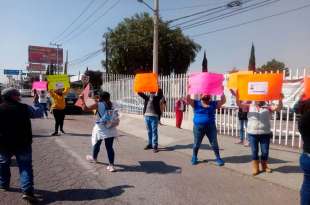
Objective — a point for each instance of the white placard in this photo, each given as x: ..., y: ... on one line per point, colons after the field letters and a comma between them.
x: 258, y: 88
x: 59, y: 85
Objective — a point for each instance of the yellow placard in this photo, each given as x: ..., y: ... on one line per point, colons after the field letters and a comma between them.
x: 58, y: 82
x: 233, y: 78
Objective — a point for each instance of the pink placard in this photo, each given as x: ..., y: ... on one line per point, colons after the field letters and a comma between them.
x: 39, y: 85
x: 206, y: 83
x: 85, y: 93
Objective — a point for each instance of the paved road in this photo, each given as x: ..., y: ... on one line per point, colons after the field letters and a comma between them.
x: 62, y: 176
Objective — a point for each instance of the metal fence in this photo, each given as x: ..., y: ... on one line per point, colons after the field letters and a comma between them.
x: 284, y: 123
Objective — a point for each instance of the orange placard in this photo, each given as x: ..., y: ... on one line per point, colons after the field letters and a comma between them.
x: 260, y: 87
x: 306, y: 88
x: 233, y: 79
x: 146, y: 82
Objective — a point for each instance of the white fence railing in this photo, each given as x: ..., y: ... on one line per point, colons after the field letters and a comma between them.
x: 284, y: 123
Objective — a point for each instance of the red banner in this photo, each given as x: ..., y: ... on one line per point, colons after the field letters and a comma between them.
x: 37, y: 54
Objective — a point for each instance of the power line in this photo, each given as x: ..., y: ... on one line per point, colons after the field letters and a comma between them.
x: 206, y: 15
x: 85, y: 56
x: 229, y: 14
x: 91, y: 24
x: 75, y: 20
x: 189, y: 7
x: 85, y: 20
x: 252, y: 21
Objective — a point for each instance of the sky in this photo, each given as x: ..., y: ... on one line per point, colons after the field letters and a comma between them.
x: 38, y: 22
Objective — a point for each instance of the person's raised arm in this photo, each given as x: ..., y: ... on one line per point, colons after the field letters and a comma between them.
x: 190, y: 101
x: 221, y: 102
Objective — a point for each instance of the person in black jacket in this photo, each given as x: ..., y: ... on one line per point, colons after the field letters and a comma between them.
x: 16, y: 139
x: 302, y: 107
x: 152, y: 112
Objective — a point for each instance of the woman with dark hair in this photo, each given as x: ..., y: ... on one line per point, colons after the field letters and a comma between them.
x: 303, y: 108
x: 104, y: 129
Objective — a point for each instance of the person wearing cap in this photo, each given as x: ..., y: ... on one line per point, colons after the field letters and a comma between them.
x: 58, y: 107
x: 16, y: 139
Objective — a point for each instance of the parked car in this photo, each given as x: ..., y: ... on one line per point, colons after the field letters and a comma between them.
x: 25, y: 92
x: 71, y: 108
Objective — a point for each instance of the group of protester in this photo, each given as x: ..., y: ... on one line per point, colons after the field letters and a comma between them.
x: 16, y: 134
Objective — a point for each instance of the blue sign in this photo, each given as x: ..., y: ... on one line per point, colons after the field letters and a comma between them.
x: 11, y: 72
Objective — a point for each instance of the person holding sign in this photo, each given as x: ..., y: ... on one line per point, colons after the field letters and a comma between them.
x: 104, y: 129
x: 259, y: 130
x: 204, y: 124
x: 58, y: 107
x: 152, y: 112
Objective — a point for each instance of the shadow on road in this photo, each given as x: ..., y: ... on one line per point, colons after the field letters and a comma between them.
x: 78, y: 195
x: 78, y: 134
x: 150, y: 167
x: 248, y: 158
x: 188, y: 146
x: 288, y: 169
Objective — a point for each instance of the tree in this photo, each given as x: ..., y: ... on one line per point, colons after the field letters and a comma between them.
x: 130, y: 47
x: 204, y: 63
x: 274, y: 66
x: 252, y: 62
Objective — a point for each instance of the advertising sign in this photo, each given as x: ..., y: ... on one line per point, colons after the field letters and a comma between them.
x: 37, y: 54
x: 39, y: 85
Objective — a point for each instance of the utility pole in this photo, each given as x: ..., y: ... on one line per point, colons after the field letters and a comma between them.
x: 57, y: 64
x: 155, y: 42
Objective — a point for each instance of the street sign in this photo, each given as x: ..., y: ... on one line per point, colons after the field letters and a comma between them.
x: 11, y: 72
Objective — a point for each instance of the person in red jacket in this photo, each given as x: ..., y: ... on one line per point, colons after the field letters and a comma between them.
x: 180, y: 107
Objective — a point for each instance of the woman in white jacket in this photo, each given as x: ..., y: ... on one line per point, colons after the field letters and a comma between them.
x: 103, y: 129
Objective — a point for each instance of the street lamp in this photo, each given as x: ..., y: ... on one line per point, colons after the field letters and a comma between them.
x: 155, y: 39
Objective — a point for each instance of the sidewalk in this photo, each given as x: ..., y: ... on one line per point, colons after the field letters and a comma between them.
x: 283, y: 161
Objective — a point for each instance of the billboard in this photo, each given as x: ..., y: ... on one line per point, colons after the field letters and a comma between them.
x: 11, y: 72
x: 36, y: 67
x: 38, y: 54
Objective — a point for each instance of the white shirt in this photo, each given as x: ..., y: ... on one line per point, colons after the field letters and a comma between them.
x: 42, y: 97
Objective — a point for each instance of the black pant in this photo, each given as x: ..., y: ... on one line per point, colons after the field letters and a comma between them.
x: 59, y: 116
x: 109, y: 147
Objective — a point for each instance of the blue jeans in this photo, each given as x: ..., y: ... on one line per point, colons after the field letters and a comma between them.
x: 109, y: 147
x: 305, y: 188
x: 152, y: 126
x: 44, y: 108
x: 199, y: 132
x: 264, y: 142
x: 24, y: 162
x: 243, y: 124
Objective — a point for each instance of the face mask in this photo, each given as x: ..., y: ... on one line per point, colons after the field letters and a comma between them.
x: 206, y: 99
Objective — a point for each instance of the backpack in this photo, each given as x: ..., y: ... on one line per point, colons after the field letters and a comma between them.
x: 110, y: 118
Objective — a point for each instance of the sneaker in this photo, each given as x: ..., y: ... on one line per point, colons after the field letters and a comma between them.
x: 148, y: 147
x: 155, y: 149
x: 111, y: 168
x: 30, y: 197
x: 194, y: 160
x: 219, y: 162
x: 62, y: 131
x: 54, y: 134
x: 91, y: 159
